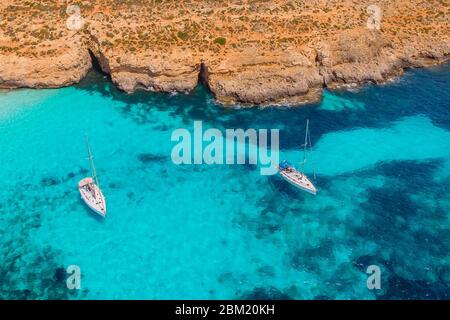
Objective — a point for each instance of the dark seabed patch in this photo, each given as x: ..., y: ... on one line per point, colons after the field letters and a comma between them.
x: 197, y: 105
x: 389, y: 213
x: 395, y: 287
x: 281, y: 242
x: 270, y: 293
x: 397, y: 214
x: 150, y: 157
x: 28, y: 270
x: 49, y: 181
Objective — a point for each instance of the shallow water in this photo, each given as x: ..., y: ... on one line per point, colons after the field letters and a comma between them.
x: 382, y: 157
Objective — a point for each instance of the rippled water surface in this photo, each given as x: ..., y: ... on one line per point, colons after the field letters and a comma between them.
x: 382, y: 158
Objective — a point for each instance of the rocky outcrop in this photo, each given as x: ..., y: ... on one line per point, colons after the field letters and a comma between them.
x: 63, y: 69
x: 296, y: 77
x: 281, y: 77
x: 130, y: 72
x: 290, y: 77
x: 355, y: 59
x: 271, y: 67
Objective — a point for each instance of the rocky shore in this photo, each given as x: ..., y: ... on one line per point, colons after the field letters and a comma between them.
x: 247, y: 52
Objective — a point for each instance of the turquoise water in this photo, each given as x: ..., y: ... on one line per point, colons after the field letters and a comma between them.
x: 382, y: 158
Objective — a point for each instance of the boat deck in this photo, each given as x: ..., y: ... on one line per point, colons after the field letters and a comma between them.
x: 92, y: 196
x: 298, y: 179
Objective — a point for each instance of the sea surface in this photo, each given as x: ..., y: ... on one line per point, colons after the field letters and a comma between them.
x: 382, y: 159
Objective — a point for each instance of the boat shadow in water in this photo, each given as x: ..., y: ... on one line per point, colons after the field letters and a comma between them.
x: 91, y: 213
x: 280, y: 186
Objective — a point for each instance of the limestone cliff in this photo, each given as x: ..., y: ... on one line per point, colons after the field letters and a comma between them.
x: 247, y: 52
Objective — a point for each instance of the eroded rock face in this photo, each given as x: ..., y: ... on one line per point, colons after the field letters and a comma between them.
x: 356, y: 58
x: 281, y: 77
x: 178, y: 71
x: 282, y: 52
x: 66, y: 68
x: 176, y: 74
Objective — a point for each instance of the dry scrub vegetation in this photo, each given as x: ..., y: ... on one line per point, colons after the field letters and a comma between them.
x: 33, y: 28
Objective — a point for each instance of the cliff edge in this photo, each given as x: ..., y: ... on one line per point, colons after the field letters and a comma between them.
x: 246, y: 51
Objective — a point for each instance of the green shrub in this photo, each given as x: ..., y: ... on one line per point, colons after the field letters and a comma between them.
x: 220, y: 40
x: 183, y: 35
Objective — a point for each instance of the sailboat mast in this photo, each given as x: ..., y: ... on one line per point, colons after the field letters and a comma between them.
x: 310, y: 152
x: 91, y: 162
x: 305, y: 145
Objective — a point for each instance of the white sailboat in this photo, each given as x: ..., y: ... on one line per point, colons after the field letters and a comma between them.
x: 295, y: 177
x: 90, y: 189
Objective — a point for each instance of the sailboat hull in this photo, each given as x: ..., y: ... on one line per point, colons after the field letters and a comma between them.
x: 293, y: 176
x: 92, y: 196
x: 298, y: 180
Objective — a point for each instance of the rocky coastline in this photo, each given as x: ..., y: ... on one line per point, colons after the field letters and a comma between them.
x: 194, y: 47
